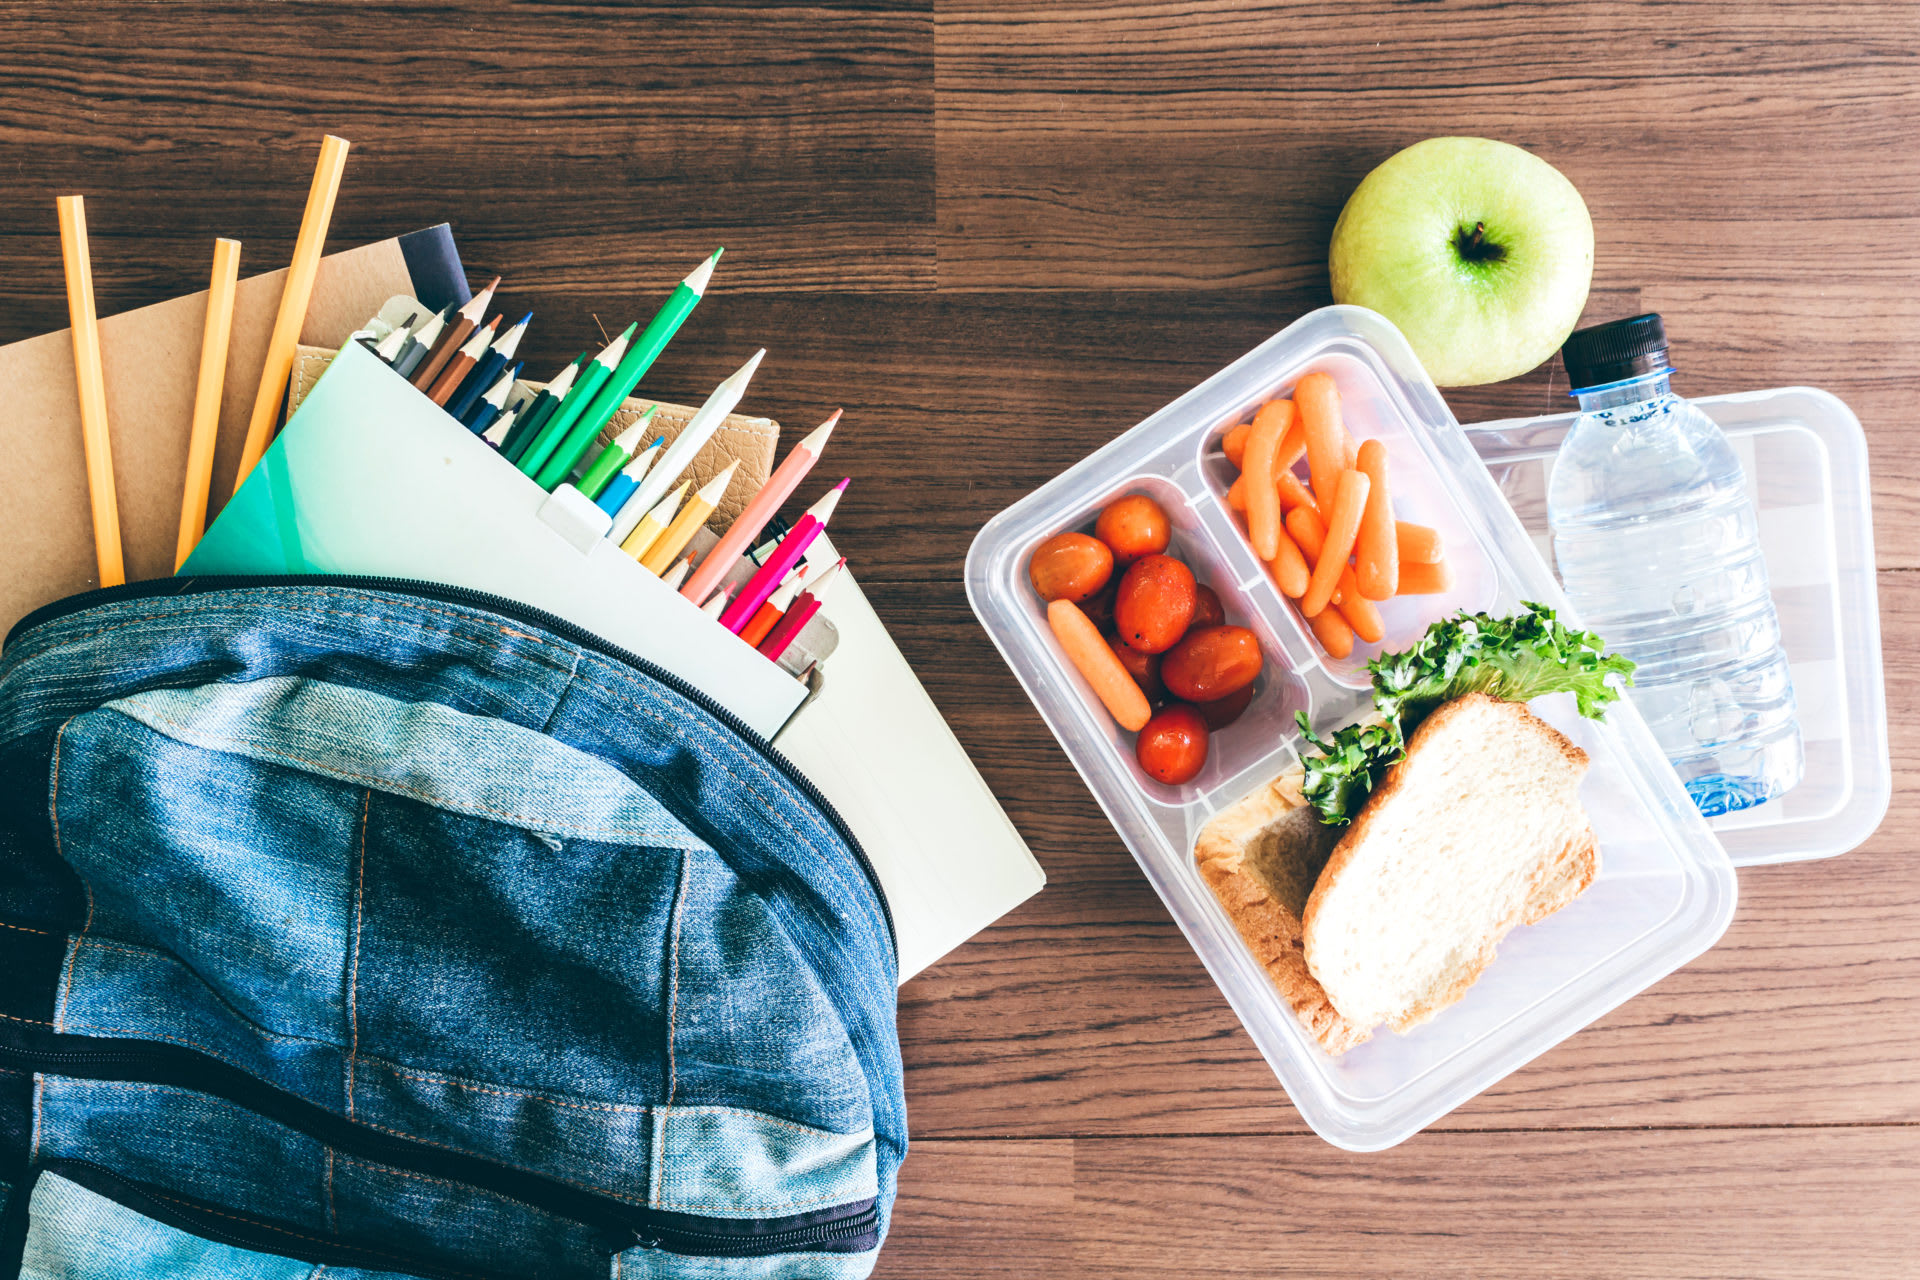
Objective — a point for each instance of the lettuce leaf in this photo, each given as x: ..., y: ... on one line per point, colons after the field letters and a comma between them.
x: 1521, y: 657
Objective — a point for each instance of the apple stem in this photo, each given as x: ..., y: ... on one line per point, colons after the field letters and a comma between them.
x: 1473, y: 246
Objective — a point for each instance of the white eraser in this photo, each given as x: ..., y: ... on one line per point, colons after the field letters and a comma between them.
x: 573, y: 515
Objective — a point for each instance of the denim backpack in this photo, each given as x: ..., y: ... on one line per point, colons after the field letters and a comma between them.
x: 363, y: 929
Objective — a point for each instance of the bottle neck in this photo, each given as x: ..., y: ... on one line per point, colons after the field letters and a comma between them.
x: 1650, y: 386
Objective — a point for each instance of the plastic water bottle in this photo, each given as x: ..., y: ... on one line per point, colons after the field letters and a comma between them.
x: 1659, y: 548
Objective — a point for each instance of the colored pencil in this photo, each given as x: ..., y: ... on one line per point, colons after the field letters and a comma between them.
x: 678, y: 574
x: 388, y: 348
x: 541, y: 409
x: 660, y: 556
x: 713, y: 607
x: 653, y: 523
x: 501, y: 425
x: 797, y: 617
x: 627, y: 483
x: 647, y: 347
x: 92, y: 386
x: 462, y: 363
x: 699, y: 429
x: 777, y: 604
x: 294, y: 296
x: 214, y: 336
x: 480, y: 380
x: 747, y: 526
x: 492, y: 404
x: 618, y: 453
x: 557, y: 434
x: 420, y: 342
x: 792, y: 547
x: 454, y: 336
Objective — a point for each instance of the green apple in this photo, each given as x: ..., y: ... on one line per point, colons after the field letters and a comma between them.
x: 1480, y: 252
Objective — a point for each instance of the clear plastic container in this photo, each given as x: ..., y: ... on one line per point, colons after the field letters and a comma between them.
x: 1805, y: 459
x: 1666, y: 889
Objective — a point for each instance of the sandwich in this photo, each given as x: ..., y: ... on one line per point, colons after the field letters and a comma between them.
x: 1375, y: 880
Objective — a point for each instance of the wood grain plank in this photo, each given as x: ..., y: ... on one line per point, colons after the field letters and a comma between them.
x: 599, y: 149
x: 1085, y: 1011
x: 983, y: 1208
x: 1146, y: 145
x: 1800, y: 1204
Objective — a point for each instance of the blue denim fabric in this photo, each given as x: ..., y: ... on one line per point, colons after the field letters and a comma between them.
x: 456, y: 880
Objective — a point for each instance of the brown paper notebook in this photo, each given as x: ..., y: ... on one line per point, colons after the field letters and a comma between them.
x: 152, y: 359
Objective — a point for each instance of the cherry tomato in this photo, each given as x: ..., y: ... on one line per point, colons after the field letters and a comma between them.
x: 1210, y: 663
x: 1143, y: 667
x: 1207, y: 609
x: 1070, y: 566
x: 1133, y: 526
x: 1222, y: 712
x: 1173, y: 745
x: 1155, y: 604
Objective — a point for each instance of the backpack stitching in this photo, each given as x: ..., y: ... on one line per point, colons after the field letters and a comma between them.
x: 353, y: 976
x: 45, y: 933
x: 646, y: 839
x: 53, y: 812
x: 673, y: 975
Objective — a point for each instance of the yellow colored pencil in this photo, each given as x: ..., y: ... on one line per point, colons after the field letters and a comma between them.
x: 660, y: 556
x: 93, y: 390
x: 293, y: 302
x: 654, y: 523
x: 206, y: 397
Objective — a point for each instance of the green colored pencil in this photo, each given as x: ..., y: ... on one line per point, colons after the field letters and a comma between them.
x: 535, y: 415
x: 616, y: 455
x: 639, y: 358
x: 591, y: 380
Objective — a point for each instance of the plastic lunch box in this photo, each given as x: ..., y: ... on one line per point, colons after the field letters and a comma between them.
x: 1666, y: 890
x: 1806, y: 463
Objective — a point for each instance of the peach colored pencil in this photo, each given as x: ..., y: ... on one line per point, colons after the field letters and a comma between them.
x: 748, y: 524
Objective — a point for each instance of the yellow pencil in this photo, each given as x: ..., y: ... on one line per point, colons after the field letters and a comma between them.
x: 93, y: 390
x: 293, y: 302
x: 661, y: 554
x: 654, y: 523
x: 206, y: 396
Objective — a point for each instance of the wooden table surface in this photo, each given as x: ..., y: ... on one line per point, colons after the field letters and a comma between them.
x: 999, y: 233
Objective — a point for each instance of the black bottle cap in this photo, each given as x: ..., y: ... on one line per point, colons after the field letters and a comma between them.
x: 1616, y: 351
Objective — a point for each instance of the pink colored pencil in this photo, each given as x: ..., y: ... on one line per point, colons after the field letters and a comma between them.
x: 765, y: 582
x: 798, y: 616
x: 748, y: 524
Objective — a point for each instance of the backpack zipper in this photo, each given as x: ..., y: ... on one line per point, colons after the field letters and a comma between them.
x: 622, y: 1221
x: 467, y: 597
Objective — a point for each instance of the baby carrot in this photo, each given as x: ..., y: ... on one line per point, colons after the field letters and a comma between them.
x: 1418, y: 579
x: 1319, y: 406
x: 1294, y: 494
x: 1095, y: 661
x: 1237, y: 493
x: 1354, y: 607
x: 1293, y: 446
x: 1343, y: 526
x: 1234, y: 443
x: 1333, y: 633
x: 1263, y: 500
x: 1377, y: 553
x: 1289, y: 568
x: 1418, y: 543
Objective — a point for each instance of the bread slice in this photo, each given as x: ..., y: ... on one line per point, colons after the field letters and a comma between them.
x: 1261, y: 858
x: 1477, y: 830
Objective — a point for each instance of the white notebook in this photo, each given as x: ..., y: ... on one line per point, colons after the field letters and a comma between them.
x: 371, y: 477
